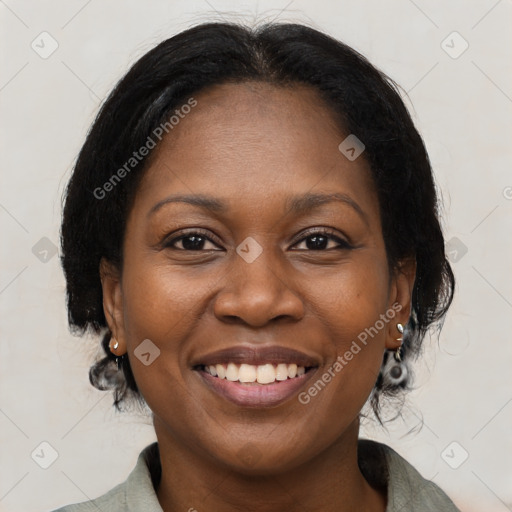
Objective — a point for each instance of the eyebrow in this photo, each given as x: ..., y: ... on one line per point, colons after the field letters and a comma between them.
x: 307, y: 202
x: 205, y: 202
x: 298, y: 205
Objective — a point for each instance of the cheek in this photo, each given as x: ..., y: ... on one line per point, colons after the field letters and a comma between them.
x: 350, y: 299
x: 160, y: 302
x: 162, y: 305
x: 354, y: 313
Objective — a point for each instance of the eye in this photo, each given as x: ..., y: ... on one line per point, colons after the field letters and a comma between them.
x: 315, y: 240
x: 191, y: 241
x: 323, y: 239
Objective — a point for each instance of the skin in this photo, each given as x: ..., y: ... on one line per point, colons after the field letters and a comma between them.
x: 252, y: 146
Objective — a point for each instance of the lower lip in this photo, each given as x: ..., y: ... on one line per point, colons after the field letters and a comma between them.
x: 254, y: 394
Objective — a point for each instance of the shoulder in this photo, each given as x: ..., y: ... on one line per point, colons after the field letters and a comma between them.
x: 136, y: 493
x: 406, y: 488
x: 112, y: 501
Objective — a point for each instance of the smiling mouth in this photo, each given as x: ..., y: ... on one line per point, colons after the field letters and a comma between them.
x: 255, y: 386
x: 258, y: 376
x: 255, y: 374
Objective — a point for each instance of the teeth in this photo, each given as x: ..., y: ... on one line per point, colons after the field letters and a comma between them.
x: 263, y: 374
x: 281, y: 372
x: 247, y: 373
x: 221, y: 371
x: 266, y: 374
x: 232, y: 372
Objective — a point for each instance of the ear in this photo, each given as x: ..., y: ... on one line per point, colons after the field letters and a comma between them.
x: 400, y: 299
x: 113, y: 302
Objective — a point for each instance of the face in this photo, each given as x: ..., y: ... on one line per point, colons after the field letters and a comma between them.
x: 275, y: 276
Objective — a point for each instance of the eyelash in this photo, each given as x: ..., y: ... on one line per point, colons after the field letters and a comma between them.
x: 329, y: 233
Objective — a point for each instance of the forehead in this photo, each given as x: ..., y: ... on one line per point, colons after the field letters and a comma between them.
x: 252, y: 113
x: 254, y: 143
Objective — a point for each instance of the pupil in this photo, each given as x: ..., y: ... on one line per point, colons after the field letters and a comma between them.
x: 196, y: 242
x: 317, y: 242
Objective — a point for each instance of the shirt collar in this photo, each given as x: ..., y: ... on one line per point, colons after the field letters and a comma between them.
x: 382, y: 467
x: 140, y: 489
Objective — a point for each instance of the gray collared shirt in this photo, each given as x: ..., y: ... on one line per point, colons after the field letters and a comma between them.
x: 407, y: 490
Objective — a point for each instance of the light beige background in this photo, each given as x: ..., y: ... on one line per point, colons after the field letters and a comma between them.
x: 462, y: 107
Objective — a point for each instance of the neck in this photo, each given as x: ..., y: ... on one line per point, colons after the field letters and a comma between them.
x: 331, y: 482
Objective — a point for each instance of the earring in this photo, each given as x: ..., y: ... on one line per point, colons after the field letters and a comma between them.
x: 398, y: 355
x: 115, y: 346
x: 395, y: 371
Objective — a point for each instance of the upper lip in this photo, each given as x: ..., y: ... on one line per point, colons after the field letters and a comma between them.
x: 243, y: 354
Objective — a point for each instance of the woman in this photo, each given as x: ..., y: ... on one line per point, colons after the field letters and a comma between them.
x: 252, y: 226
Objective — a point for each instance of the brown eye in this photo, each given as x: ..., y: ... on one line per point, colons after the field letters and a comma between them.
x: 321, y: 240
x: 191, y: 241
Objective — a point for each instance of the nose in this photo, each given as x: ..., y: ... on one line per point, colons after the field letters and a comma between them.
x: 258, y: 292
